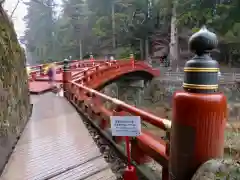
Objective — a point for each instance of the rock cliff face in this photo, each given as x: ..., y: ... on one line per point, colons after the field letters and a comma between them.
x: 14, y: 98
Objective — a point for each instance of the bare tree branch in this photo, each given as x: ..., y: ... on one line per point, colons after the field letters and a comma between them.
x: 40, y: 2
x: 44, y: 4
x: 15, y: 8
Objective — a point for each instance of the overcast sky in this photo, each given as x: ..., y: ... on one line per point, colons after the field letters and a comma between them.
x: 20, y: 12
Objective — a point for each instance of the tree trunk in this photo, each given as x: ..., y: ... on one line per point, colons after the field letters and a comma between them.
x: 146, y: 48
x: 141, y: 48
x: 173, y: 47
x: 80, y: 49
x: 113, y: 27
x: 230, y: 60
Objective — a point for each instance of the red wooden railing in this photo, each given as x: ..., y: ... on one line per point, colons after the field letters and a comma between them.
x: 90, y: 102
x: 38, y: 70
x: 196, y: 133
x: 79, y: 90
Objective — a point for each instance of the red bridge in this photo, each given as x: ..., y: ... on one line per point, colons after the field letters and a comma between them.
x: 57, y: 145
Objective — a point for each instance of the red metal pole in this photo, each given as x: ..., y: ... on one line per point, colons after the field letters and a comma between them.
x: 199, y: 113
x: 128, y: 151
x: 130, y: 172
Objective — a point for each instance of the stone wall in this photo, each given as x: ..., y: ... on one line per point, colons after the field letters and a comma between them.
x: 160, y: 92
x: 14, y: 97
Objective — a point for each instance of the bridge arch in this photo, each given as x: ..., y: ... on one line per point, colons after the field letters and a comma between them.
x: 104, y: 74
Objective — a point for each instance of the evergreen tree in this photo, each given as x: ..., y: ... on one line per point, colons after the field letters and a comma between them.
x: 39, y: 35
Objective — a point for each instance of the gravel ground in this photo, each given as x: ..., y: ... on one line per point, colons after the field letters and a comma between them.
x: 111, y: 156
x: 117, y: 165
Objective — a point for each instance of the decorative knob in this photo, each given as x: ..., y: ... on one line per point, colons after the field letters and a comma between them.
x: 65, y: 64
x: 201, y: 72
x: 203, y: 41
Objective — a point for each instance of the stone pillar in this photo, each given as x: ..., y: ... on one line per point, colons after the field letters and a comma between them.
x: 199, y: 112
x: 135, y: 89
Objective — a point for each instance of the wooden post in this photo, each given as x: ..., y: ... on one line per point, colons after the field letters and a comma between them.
x: 199, y: 112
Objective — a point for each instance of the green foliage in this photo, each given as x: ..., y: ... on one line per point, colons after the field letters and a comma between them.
x: 124, y: 53
x: 91, y: 21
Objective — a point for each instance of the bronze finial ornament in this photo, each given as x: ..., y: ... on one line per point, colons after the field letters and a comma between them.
x: 201, y: 72
x: 65, y: 64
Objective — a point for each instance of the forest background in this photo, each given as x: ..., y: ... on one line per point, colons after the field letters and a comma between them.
x: 147, y: 28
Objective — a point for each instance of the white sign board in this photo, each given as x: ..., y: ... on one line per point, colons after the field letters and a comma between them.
x: 126, y: 125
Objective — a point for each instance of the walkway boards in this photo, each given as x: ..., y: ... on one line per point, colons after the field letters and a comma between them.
x: 42, y: 85
x: 56, y: 145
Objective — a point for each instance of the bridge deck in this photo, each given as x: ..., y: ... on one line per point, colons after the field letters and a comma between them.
x: 38, y: 87
x: 56, y: 145
x: 42, y: 84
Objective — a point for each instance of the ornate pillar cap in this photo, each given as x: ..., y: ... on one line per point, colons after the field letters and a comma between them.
x: 201, y: 72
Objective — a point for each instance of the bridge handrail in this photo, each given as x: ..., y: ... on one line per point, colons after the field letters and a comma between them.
x: 71, y: 61
x: 161, y: 123
x: 107, y: 66
x: 34, y: 73
x: 152, y: 119
x: 83, y: 97
x: 188, y: 148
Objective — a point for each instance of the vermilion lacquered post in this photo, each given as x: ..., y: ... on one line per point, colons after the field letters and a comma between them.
x: 130, y: 171
x: 199, y: 112
x: 66, y: 77
x: 41, y: 69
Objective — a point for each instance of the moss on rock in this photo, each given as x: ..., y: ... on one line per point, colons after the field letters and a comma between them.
x: 14, y: 98
x: 218, y: 169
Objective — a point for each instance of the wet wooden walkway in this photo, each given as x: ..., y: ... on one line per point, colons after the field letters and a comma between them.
x: 56, y: 145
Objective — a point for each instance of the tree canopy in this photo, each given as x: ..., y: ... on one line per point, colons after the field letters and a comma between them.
x: 121, y: 27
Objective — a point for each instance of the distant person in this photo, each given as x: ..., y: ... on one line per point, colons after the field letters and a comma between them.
x: 111, y: 58
x: 106, y: 58
x: 51, y: 74
x: 45, y: 68
x: 149, y: 60
x: 28, y: 69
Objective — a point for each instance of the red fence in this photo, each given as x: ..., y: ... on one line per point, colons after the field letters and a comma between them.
x: 91, y: 103
x: 39, y: 70
x: 194, y: 137
x: 197, y: 134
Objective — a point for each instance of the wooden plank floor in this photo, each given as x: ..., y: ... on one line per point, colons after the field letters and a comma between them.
x: 37, y: 87
x: 56, y: 145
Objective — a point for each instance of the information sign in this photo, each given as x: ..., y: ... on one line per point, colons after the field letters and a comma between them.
x: 126, y: 125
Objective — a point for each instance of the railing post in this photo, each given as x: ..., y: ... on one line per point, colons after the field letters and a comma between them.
x: 66, y: 77
x: 41, y: 69
x: 199, y: 112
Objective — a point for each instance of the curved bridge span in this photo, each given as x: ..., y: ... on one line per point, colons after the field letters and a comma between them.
x: 57, y: 145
